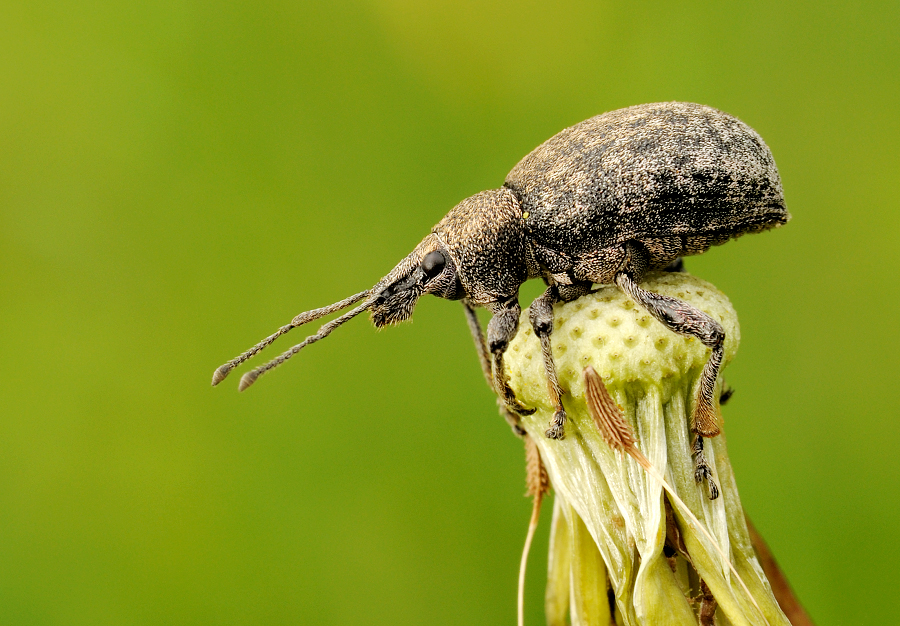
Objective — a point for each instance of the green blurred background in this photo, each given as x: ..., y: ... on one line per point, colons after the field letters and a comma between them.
x: 178, y: 179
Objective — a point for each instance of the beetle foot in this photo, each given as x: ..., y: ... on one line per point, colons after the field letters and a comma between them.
x: 557, y: 428
x: 512, y: 404
x: 508, y: 396
x: 702, y: 470
x: 518, y: 408
x: 512, y: 419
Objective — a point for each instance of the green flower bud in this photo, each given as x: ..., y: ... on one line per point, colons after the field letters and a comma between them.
x: 615, y: 534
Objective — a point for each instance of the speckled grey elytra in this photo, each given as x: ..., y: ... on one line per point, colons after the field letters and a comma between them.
x: 604, y: 201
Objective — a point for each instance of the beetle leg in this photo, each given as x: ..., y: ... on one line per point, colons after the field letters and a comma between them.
x: 684, y: 319
x: 541, y: 315
x: 485, y: 359
x: 501, y: 330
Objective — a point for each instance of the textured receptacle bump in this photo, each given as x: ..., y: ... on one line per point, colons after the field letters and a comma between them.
x: 620, y: 340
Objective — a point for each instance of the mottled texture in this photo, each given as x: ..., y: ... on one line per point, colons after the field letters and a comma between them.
x: 677, y: 177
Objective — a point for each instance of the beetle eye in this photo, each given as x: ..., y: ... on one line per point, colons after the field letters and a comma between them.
x: 433, y: 263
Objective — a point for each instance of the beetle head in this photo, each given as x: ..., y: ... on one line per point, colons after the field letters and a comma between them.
x: 475, y: 252
x: 428, y: 269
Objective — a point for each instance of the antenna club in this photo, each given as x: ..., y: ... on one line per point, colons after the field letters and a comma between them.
x: 220, y: 374
x: 248, y: 379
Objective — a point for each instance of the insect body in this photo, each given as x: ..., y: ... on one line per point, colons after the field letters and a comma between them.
x: 604, y: 201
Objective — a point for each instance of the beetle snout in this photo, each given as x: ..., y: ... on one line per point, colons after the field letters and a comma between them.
x: 395, y: 303
x: 382, y: 297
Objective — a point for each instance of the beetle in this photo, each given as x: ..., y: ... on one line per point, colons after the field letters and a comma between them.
x: 604, y: 201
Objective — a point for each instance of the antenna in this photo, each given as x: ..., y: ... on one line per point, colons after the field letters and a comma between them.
x: 250, y: 377
x: 303, y: 318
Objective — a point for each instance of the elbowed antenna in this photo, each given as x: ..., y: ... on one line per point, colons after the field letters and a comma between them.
x: 250, y: 377
x: 400, y: 271
x: 303, y: 318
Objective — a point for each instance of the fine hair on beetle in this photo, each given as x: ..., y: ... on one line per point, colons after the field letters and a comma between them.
x: 602, y: 202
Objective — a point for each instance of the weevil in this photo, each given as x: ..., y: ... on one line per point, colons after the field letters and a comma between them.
x: 604, y: 201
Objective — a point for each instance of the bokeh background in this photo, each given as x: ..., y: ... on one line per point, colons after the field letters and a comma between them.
x: 178, y: 179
